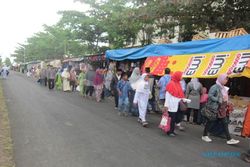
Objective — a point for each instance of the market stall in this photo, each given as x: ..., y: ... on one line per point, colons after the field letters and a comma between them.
x: 55, y: 63
x: 97, y: 60
x: 204, y: 59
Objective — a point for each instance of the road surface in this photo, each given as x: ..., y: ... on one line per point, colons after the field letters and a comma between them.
x: 57, y: 129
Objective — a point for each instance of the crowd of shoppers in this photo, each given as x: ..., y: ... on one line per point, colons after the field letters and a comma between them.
x: 141, y: 93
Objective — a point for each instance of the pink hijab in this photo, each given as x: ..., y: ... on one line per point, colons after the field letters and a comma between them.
x: 224, y: 89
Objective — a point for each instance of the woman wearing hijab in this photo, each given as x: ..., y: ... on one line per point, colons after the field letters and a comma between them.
x: 58, y: 80
x: 90, y: 76
x: 107, y: 82
x: 73, y: 79
x: 193, y: 92
x: 217, y: 103
x: 66, y: 80
x: 98, y: 84
x: 141, y: 98
x: 135, y: 76
x: 82, y: 81
x: 174, y: 94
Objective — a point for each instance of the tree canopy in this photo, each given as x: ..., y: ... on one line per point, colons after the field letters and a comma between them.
x: 111, y: 24
x: 7, y: 62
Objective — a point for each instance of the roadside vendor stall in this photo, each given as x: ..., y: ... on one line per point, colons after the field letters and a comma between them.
x: 121, y: 59
x: 97, y: 60
x: 55, y: 63
x: 204, y: 59
x: 71, y: 62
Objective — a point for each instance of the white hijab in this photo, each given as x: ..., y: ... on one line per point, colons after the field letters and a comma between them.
x: 135, y: 76
x: 142, y: 85
x: 65, y: 73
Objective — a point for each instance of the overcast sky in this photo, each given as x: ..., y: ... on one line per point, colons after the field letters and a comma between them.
x: 20, y: 19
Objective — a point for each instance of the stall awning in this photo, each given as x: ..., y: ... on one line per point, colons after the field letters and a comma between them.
x: 193, y: 47
x: 207, y: 65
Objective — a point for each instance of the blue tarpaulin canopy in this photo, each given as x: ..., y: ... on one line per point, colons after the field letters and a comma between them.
x: 192, y: 47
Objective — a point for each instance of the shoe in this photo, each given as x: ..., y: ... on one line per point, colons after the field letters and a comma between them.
x: 248, y: 152
x: 206, y: 139
x: 181, y: 128
x: 126, y: 114
x: 139, y: 120
x: 232, y: 141
x: 175, y: 133
x: 116, y: 108
x: 144, y: 124
x: 171, y: 134
x: 245, y: 157
x: 119, y: 113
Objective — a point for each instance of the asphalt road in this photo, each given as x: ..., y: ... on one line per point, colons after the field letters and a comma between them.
x: 57, y: 129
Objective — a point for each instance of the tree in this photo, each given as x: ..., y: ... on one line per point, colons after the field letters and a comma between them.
x: 85, y: 29
x: 112, y: 24
x: 216, y: 15
x: 115, y: 17
x: 53, y: 43
x: 7, y: 62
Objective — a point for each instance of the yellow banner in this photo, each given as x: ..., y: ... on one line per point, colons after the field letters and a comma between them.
x: 208, y: 65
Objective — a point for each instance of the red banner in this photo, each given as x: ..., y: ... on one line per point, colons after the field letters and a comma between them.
x: 157, y: 64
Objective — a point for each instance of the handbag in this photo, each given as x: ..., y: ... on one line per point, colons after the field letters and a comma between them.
x: 165, y: 122
x: 78, y: 88
x: 209, y: 114
x: 183, y: 106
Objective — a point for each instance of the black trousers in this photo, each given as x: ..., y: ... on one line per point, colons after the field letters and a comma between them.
x: 73, y: 85
x: 116, y: 98
x: 179, y: 116
x: 51, y: 83
x: 173, y: 121
x: 45, y: 81
x: 209, y: 124
x: 89, y: 90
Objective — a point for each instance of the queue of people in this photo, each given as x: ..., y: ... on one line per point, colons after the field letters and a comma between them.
x: 139, y: 94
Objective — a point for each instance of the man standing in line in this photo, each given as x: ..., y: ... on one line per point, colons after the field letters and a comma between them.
x: 51, y: 77
x: 46, y: 76
x: 90, y: 75
x: 113, y: 86
x: 42, y: 77
x: 164, y: 80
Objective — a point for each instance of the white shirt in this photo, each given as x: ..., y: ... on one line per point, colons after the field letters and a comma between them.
x: 171, y: 102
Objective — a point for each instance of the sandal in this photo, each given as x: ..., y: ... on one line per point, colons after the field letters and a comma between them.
x: 144, y: 124
x: 245, y: 157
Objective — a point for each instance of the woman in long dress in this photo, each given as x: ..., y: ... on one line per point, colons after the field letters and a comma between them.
x: 141, y: 98
x: 193, y: 92
x: 73, y: 79
x: 66, y: 78
x: 135, y: 76
x: 82, y: 80
x: 98, y: 85
x: 58, y: 80
x: 107, y: 82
